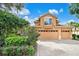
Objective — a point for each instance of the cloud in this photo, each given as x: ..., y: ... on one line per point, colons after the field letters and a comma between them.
x: 61, y: 10
x: 13, y: 10
x: 31, y: 21
x: 70, y: 21
x: 26, y: 17
x: 23, y: 12
x: 53, y: 11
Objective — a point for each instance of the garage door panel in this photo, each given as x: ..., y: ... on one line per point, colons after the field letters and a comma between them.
x: 66, y: 35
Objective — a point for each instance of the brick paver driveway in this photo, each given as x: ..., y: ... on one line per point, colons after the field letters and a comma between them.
x: 58, y: 48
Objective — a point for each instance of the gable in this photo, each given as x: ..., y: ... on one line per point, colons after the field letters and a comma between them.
x: 48, y: 19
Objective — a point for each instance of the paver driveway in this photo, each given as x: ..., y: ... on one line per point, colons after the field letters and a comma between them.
x: 58, y: 48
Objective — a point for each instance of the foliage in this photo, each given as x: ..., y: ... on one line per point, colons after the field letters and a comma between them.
x: 32, y: 35
x: 16, y: 40
x: 16, y: 36
x: 1, y: 52
x: 9, y: 23
x: 73, y: 24
x: 9, y: 6
x: 13, y: 43
x: 17, y: 51
x: 74, y: 9
x: 75, y: 37
x: 30, y: 50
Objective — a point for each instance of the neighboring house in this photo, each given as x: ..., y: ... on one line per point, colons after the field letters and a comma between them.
x: 49, y: 28
x: 75, y: 30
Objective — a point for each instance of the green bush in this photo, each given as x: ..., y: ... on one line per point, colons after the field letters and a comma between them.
x: 14, y: 51
x: 32, y: 35
x: 78, y: 37
x: 7, y: 51
x: 17, y: 51
x: 30, y: 50
x: 75, y: 37
x: 15, y: 40
x: 1, y: 52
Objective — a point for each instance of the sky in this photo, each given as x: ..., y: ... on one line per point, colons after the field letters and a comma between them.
x: 32, y: 11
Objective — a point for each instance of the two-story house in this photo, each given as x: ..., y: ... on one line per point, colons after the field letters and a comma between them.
x: 49, y: 28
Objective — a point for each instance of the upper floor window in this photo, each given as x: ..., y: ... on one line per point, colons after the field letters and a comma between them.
x: 47, y: 21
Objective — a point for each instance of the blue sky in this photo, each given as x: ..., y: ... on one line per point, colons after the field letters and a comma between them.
x: 61, y: 10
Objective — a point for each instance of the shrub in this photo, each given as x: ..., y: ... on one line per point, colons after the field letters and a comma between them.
x: 17, y: 51
x: 15, y: 40
x: 73, y: 36
x: 30, y: 50
x: 1, y: 52
x: 77, y: 36
x: 32, y: 35
x: 7, y: 51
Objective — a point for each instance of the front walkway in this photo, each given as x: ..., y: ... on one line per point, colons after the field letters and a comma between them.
x: 58, y: 48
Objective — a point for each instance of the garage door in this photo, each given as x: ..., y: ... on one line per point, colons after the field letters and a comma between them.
x: 48, y: 34
x: 65, y: 34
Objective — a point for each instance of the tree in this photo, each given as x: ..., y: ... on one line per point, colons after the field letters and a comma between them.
x: 74, y: 9
x: 75, y: 25
x: 9, y: 23
x: 9, y: 6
